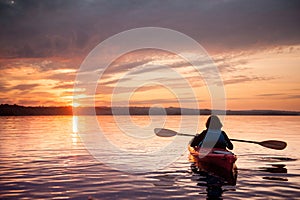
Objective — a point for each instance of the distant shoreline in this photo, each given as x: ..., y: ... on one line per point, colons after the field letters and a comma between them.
x: 17, y: 110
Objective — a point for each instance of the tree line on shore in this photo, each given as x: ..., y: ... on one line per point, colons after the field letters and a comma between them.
x: 18, y: 110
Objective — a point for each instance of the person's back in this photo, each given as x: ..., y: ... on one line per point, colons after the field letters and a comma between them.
x: 216, y: 139
x: 213, y: 136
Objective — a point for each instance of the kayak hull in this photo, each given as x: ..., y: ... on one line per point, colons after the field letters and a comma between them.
x: 218, y: 162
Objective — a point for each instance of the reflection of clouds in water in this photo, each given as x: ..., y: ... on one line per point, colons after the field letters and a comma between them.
x: 134, y: 139
x: 124, y: 152
x: 35, y: 151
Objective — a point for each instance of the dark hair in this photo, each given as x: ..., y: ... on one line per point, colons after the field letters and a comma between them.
x: 213, y: 122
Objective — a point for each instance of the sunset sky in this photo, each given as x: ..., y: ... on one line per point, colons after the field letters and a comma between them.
x: 254, y: 44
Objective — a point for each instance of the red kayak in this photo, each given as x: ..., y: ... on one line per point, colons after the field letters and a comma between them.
x: 219, y: 162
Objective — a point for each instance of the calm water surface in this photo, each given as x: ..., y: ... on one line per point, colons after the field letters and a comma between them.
x: 44, y: 158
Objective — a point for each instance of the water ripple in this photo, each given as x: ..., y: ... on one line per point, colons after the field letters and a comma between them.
x: 43, y: 162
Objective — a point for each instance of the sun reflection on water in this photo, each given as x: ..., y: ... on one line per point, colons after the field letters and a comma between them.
x: 75, y: 130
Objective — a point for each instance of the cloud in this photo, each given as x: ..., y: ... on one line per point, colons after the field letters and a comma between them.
x: 108, y: 82
x: 125, y: 66
x: 4, y: 86
x: 39, y: 38
x: 146, y: 69
x: 63, y: 85
x: 243, y: 78
x: 155, y: 66
x: 297, y: 96
x: 62, y: 76
x: 40, y: 65
x: 280, y: 95
x: 270, y: 95
x: 25, y: 87
x: 38, y: 29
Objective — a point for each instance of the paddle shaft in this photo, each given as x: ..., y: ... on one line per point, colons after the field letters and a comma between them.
x: 248, y: 141
x: 236, y: 140
x: 272, y: 144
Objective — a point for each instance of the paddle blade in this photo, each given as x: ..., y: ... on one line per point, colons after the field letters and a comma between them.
x: 161, y: 132
x: 273, y: 144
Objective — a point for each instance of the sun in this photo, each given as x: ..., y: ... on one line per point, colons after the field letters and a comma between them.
x: 75, y: 105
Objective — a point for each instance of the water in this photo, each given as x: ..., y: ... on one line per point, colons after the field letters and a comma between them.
x: 43, y: 158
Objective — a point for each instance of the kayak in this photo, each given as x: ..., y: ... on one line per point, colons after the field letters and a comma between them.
x: 218, y: 162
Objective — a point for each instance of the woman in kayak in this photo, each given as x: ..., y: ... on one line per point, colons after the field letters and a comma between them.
x: 213, y: 136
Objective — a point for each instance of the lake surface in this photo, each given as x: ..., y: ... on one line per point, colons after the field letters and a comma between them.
x: 44, y: 157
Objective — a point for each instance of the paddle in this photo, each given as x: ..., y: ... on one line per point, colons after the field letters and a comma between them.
x: 272, y: 144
